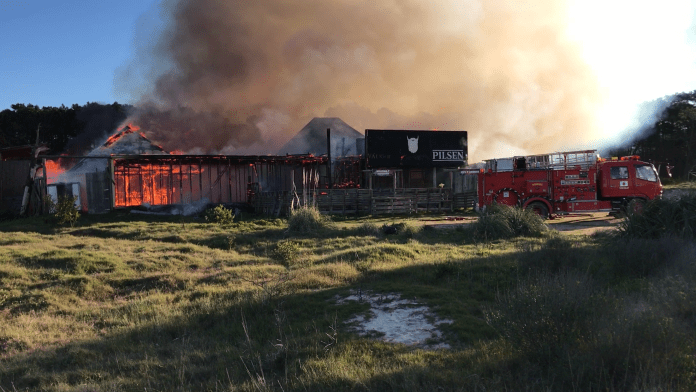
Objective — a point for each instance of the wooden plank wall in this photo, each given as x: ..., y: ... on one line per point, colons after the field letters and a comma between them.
x: 464, y: 200
x: 98, y: 187
x: 182, y: 183
x: 13, y: 178
x: 366, y: 201
x: 344, y: 201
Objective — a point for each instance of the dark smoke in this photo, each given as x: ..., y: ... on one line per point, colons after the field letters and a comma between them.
x: 250, y: 74
x: 96, y: 122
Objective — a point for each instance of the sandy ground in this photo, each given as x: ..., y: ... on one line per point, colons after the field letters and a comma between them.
x: 394, y: 319
x: 583, y: 224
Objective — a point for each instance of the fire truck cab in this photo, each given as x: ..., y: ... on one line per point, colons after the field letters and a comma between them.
x: 568, y: 182
x: 629, y: 178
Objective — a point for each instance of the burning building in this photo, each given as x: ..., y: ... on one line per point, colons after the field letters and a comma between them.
x: 89, y: 180
x: 343, y: 145
x: 328, y: 164
x: 129, y: 170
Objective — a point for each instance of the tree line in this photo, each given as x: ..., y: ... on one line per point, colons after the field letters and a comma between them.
x: 667, y: 136
x: 64, y: 129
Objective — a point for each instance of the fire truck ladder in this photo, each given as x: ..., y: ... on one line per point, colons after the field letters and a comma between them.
x: 561, y: 160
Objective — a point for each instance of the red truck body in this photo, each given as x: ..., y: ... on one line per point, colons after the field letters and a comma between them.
x: 568, y: 182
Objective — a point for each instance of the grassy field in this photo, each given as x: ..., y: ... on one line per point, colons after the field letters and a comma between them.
x: 676, y: 184
x: 135, y: 303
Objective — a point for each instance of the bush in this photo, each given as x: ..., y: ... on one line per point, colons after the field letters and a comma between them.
x: 369, y: 229
x: 220, y: 215
x: 408, y: 229
x: 660, y: 217
x: 307, y: 220
x: 286, y: 252
x: 65, y: 210
x: 500, y: 221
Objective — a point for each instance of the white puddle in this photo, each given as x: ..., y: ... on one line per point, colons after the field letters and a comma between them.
x: 397, y: 320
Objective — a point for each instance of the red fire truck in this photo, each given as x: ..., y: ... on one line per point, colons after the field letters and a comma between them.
x: 568, y: 182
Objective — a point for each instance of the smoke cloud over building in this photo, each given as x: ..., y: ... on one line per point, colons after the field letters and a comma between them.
x: 245, y: 76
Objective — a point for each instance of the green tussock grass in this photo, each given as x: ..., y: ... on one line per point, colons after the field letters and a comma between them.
x: 177, y: 304
x: 306, y: 220
x: 504, y: 222
x: 661, y: 217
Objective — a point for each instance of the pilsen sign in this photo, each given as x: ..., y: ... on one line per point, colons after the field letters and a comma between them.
x: 391, y: 148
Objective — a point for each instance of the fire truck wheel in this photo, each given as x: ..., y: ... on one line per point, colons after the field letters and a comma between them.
x: 539, y: 208
x: 635, y: 206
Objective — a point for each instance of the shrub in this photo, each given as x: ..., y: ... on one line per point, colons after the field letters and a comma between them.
x: 307, y: 220
x: 402, y: 228
x: 286, y: 252
x: 220, y: 215
x: 65, y: 210
x: 369, y: 228
x: 500, y: 221
x: 408, y: 229
x: 661, y: 217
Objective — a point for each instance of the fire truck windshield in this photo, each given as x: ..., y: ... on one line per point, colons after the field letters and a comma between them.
x: 646, y: 172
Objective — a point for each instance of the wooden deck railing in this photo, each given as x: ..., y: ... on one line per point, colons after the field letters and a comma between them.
x: 367, y: 201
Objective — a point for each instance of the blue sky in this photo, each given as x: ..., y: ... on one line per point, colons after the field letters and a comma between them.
x: 66, y: 52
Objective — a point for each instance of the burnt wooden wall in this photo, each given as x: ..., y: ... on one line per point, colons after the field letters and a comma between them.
x: 367, y: 201
x: 182, y: 180
x: 13, y: 177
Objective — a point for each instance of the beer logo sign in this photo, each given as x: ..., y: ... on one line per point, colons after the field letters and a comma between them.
x: 448, y: 155
x: 412, y: 144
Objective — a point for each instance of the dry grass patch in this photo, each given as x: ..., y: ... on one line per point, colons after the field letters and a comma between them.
x: 167, y: 304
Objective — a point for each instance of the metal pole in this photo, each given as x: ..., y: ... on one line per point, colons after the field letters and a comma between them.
x: 328, y: 153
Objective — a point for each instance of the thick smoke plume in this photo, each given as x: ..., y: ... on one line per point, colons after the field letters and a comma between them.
x: 245, y: 76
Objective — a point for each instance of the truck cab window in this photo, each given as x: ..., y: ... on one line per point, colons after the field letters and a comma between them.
x: 619, y: 172
x: 646, y: 172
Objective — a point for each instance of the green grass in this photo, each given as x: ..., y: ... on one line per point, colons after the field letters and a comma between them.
x: 120, y: 303
x: 676, y: 184
x: 501, y: 221
x: 662, y: 217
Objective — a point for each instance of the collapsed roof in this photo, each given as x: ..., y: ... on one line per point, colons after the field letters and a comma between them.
x: 127, y: 141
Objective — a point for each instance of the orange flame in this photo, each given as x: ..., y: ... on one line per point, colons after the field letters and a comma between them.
x: 130, y: 128
x: 154, y: 184
x: 53, y: 171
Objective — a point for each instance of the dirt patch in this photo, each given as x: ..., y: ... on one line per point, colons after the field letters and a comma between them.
x: 396, y: 320
x: 583, y: 224
x: 580, y: 224
x: 449, y: 222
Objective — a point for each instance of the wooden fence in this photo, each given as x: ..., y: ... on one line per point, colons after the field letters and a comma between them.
x: 367, y: 201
